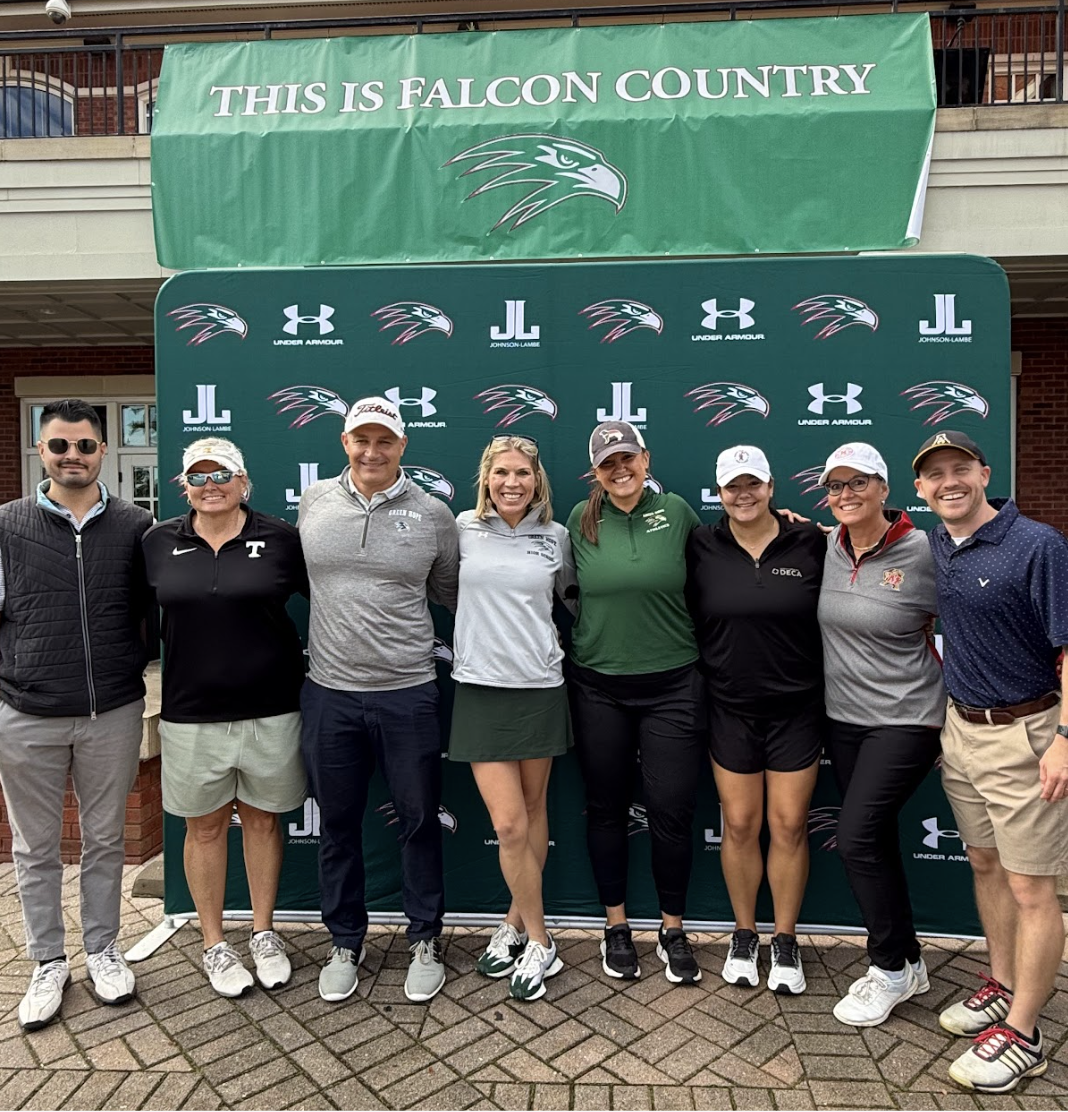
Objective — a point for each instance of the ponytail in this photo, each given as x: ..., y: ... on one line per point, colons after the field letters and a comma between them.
x: 591, y: 515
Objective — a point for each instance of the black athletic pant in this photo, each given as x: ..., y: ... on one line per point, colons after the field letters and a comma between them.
x: 656, y: 717
x: 877, y: 769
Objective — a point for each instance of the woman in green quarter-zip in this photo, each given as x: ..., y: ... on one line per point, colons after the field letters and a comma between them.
x: 754, y: 584
x: 635, y: 691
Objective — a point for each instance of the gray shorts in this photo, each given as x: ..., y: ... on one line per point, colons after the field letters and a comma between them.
x: 206, y: 765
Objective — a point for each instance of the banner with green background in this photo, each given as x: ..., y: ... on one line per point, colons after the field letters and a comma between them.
x: 796, y: 356
x: 782, y: 136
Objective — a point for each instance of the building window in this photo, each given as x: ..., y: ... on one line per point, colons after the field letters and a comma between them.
x: 31, y: 111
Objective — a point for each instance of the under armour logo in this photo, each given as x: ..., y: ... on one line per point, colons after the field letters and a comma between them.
x: 849, y: 398
x: 295, y: 320
x: 423, y: 401
x: 935, y: 833
x: 741, y: 314
x: 254, y: 548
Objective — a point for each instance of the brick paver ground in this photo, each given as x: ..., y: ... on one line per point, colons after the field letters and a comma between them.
x: 587, y: 1044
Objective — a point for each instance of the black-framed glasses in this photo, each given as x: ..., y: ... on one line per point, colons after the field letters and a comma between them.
x: 199, y: 478
x: 516, y: 436
x: 86, y: 446
x: 857, y: 483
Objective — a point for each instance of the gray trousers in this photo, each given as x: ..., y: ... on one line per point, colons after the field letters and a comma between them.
x: 36, y: 754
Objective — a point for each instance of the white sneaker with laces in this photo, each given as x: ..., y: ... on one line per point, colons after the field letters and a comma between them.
x: 112, y: 979
x: 740, y: 968
x: 225, y: 972
x: 870, y: 1000
x: 268, y: 951
x: 537, y: 963
x: 45, y: 995
x: 923, y: 983
x: 503, y: 951
x: 426, y: 970
x: 998, y: 1060
x: 787, y: 975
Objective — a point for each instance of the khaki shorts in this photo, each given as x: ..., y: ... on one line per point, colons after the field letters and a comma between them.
x: 990, y: 777
x: 206, y: 765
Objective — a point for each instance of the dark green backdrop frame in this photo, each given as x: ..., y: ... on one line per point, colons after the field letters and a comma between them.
x: 924, y: 319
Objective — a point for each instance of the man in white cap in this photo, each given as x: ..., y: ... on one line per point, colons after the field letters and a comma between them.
x: 73, y: 599
x: 377, y: 548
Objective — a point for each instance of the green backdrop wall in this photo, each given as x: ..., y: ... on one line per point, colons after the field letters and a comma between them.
x: 794, y: 355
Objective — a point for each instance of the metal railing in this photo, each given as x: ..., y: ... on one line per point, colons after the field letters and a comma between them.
x: 981, y: 56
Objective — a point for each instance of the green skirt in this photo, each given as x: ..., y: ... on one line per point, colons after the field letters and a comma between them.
x: 509, y: 724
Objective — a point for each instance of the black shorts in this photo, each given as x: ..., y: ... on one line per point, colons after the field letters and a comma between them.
x: 786, y: 740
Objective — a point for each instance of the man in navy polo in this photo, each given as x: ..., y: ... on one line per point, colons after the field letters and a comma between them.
x: 1002, y: 584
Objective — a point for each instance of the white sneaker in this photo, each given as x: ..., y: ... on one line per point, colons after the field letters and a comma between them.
x: 45, y: 994
x: 537, y: 963
x: 741, y: 964
x: 340, y: 975
x: 502, y: 952
x: 870, y: 1000
x: 225, y: 972
x: 923, y: 983
x: 112, y: 979
x: 269, y: 953
x: 787, y: 977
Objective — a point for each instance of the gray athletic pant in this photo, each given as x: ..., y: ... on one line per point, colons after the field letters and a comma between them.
x: 36, y: 753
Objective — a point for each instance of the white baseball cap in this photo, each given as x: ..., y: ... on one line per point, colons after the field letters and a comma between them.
x: 375, y: 411
x: 742, y: 459
x: 215, y: 449
x: 861, y: 457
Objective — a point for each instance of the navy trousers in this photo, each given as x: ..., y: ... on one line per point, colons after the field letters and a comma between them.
x: 344, y: 734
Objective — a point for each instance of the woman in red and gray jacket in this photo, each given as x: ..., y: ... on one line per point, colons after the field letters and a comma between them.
x: 885, y: 705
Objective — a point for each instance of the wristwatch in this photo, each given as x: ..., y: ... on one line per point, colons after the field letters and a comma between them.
x: 1063, y: 731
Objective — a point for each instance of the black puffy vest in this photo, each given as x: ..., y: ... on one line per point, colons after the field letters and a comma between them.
x: 70, y: 629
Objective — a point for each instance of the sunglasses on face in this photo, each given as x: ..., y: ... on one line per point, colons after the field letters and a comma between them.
x: 857, y: 483
x: 199, y: 478
x: 86, y: 446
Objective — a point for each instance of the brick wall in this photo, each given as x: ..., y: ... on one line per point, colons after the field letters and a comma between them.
x: 1042, y: 420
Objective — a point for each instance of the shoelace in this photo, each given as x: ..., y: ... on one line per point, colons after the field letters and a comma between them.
x: 784, y: 952
x: 868, y: 986
x: 427, y: 951
x: 501, y: 941
x: 268, y: 945
x: 743, y: 944
x: 994, y: 1040
x: 533, y: 958
x: 678, y: 947
x: 221, y: 957
x: 988, y: 992
x: 47, y: 978
x: 109, y: 960
x: 341, y: 954
x: 618, y: 943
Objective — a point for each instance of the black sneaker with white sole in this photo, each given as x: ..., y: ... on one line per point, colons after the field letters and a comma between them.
x: 673, y: 949
x: 618, y: 956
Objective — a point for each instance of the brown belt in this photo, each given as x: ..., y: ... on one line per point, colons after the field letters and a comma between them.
x: 1004, y: 716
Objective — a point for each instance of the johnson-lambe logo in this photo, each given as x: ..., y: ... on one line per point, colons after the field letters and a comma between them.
x: 950, y: 399
x: 515, y: 401
x: 308, y: 403
x: 412, y: 318
x: 559, y: 169
x: 620, y: 316
x: 836, y: 312
x: 210, y: 321
x: 725, y: 400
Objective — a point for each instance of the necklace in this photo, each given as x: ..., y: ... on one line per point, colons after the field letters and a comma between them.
x: 867, y: 547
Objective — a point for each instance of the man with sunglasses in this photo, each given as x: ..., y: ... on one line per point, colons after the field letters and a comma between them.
x: 73, y: 599
x: 376, y: 547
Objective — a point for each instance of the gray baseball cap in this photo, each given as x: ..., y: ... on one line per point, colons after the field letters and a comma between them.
x: 614, y: 436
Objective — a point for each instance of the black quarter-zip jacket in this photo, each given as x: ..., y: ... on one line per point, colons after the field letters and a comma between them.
x: 230, y: 649
x: 756, y: 620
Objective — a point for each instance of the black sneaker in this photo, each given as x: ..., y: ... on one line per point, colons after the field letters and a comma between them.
x: 619, y: 958
x: 673, y: 949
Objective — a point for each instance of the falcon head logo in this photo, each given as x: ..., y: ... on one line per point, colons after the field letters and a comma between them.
x: 728, y: 399
x: 950, y: 398
x: 823, y: 820
x: 620, y: 315
x: 557, y: 169
x: 516, y: 402
x: 442, y: 651
x: 212, y: 320
x: 308, y: 403
x: 637, y: 820
x: 413, y: 318
x: 809, y: 480
x: 433, y: 482
x: 838, y: 311
x: 445, y: 816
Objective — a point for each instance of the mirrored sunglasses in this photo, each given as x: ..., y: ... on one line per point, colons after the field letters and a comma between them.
x: 199, y: 478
